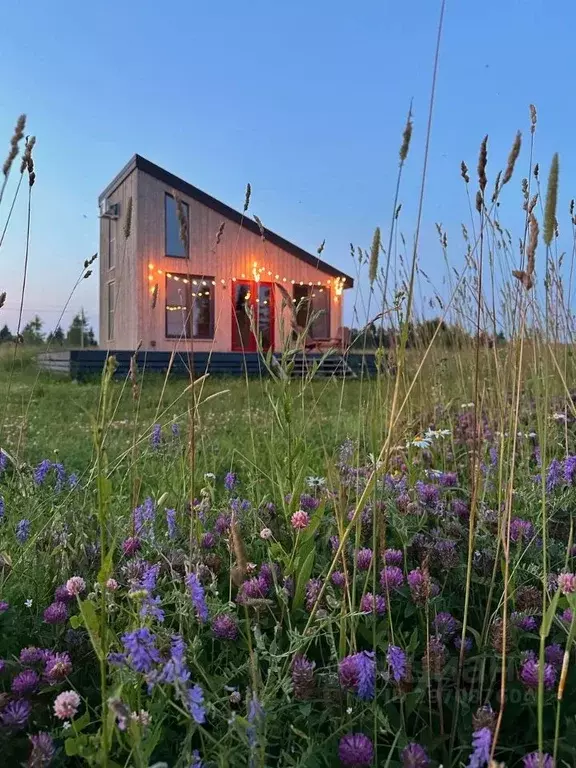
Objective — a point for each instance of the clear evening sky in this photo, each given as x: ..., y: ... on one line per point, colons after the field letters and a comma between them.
x: 305, y: 100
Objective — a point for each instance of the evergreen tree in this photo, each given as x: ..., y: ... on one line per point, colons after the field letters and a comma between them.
x: 5, y: 334
x: 32, y: 332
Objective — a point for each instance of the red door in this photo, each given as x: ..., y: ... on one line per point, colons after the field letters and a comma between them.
x: 252, y: 310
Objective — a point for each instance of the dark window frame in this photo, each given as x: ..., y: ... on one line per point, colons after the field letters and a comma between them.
x: 183, y: 254
x: 110, y: 310
x: 189, y: 287
x: 310, y: 310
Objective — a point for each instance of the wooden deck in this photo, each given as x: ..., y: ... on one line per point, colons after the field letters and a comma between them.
x: 86, y: 363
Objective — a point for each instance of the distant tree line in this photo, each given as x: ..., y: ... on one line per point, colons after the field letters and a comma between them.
x: 79, y: 334
x: 374, y: 336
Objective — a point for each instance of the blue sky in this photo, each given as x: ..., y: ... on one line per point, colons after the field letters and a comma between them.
x: 306, y: 101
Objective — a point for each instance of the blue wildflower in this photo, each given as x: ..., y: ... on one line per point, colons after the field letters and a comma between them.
x: 141, y: 651
x: 41, y: 471
x: 396, y: 659
x: 3, y: 461
x: 2, y: 508
x: 198, y: 597
x: 255, y: 718
x: 175, y: 429
x: 143, y: 519
x: 482, y: 745
x: 60, y: 476
x: 196, y: 761
x: 171, y: 523
x: 230, y: 481
x: 195, y: 704
x: 156, y: 437
x: 23, y: 531
x: 554, y: 475
x: 72, y: 480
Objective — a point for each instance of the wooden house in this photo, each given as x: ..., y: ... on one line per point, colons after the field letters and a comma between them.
x: 180, y: 270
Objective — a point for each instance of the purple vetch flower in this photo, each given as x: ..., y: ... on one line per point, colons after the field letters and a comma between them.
x: 529, y: 670
x: 225, y: 627
x: 569, y: 470
x: 364, y: 559
x: 334, y: 543
x: 567, y: 583
x: 23, y: 531
x: 171, y: 523
x: 42, y: 750
x: 117, y: 659
x: 445, y: 624
x: 4, y: 606
x: 468, y: 643
x: 521, y: 530
x: 25, y: 683
x: 448, y: 479
x: 175, y: 670
x: 302, y: 673
x: 60, y: 476
x: 370, y: 604
x: 2, y: 508
x: 313, y: 589
x: 198, y: 598
x: 396, y: 659
x: 554, y: 654
x: 143, y: 519
x: 222, y: 524
x: 460, y: 508
x: 538, y: 760
x: 566, y: 616
x: 41, y: 471
x: 156, y: 436
x: 255, y: 719
x: 131, y: 545
x: 357, y: 673
x: 230, y: 481
x: 391, y: 577
x: 56, y: 613
x: 338, y: 579
x: 481, y: 745
x: 73, y: 481
x: 393, y: 557
x: 3, y: 461
x: 421, y: 586
x: 207, y: 540
x: 15, y: 714
x: 271, y: 573
x: 356, y: 750
x: 428, y: 494
x: 554, y: 475
x: 414, y: 756
x: 141, y: 650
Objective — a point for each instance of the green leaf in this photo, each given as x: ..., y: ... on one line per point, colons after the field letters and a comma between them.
x: 82, y: 722
x: 303, y: 576
x: 106, y: 570
x: 549, y: 615
x: 71, y: 747
x: 90, y: 619
x: 76, y: 622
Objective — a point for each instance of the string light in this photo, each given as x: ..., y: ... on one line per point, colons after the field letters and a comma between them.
x: 337, y: 283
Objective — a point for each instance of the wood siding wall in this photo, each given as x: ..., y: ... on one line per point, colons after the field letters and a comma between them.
x: 236, y: 253
x: 125, y: 273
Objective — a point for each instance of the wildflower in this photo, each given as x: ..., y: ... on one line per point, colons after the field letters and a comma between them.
x: 66, y: 705
x: 437, y: 434
x: 207, y: 540
x: 528, y: 599
x: 57, y: 667
x: 266, y: 534
x: 313, y: 589
x: 484, y: 717
x: 31, y: 655
x: 130, y: 546
x: 358, y: 673
x: 393, y: 557
x: 445, y: 624
x: 25, y: 683
x: 415, y: 756
x: 524, y: 622
x: 222, y: 524
x: 253, y: 589
x: 302, y: 677
x: 4, y: 606
x: 468, y: 643
x: 521, y: 530
x: 41, y: 471
x: 554, y: 654
x: 156, y: 436
x: 196, y: 761
x: 198, y: 598
x: 309, y: 503
x: 143, y: 519
x: 255, y: 718
x: 566, y: 616
x: 421, y: 587
x: 482, y: 745
x: 554, y: 475
x: 428, y: 494
x: 435, y: 657
x: 171, y: 523
x: 56, y: 613
x: 3, y: 461
x: 28, y: 602
x: 371, y: 604
x: 225, y: 627
x: 23, y: 531
x: 567, y: 583
x: 396, y: 659
x: 300, y: 520
x: 538, y: 760
x: 569, y: 470
x: 420, y: 442
x: 230, y: 481
x: 75, y: 585
x: 364, y: 559
x: 141, y: 651
x: 175, y: 429
x: 559, y: 416
x: 317, y: 483
x: 42, y: 750
x: 111, y: 585
x: 529, y: 671
x: 72, y: 481
x: 356, y: 750
x: 338, y: 579
x: 15, y: 714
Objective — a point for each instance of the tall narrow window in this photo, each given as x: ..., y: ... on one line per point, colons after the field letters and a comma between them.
x: 111, y: 243
x: 189, y: 307
x: 111, y: 309
x: 173, y: 242
x: 313, y: 308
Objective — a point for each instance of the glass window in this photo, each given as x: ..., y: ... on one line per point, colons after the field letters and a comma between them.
x: 189, y: 307
x: 313, y: 303
x: 111, y: 308
x: 174, y: 245
x: 111, y: 243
